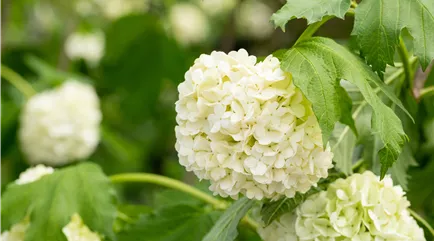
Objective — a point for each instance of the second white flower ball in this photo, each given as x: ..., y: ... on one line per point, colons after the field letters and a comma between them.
x: 245, y: 127
x: 61, y: 125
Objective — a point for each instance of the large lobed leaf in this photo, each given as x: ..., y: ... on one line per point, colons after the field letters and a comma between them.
x: 311, y: 10
x: 317, y: 65
x: 378, y: 24
x: 172, y: 223
x: 225, y: 228
x: 51, y: 201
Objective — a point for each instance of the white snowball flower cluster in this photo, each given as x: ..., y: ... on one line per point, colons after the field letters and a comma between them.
x: 245, y: 127
x: 189, y: 24
x: 88, y: 46
x: 17, y: 231
x: 76, y: 230
x: 253, y: 20
x: 61, y: 125
x: 359, y: 208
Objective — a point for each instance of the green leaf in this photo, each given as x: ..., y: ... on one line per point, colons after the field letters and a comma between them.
x: 174, y: 197
x: 274, y: 209
x: 400, y: 168
x: 172, y: 223
x: 51, y: 201
x: 312, y: 10
x: 378, y: 25
x: 137, y: 62
x: 225, y: 228
x: 343, y: 142
x: 317, y: 65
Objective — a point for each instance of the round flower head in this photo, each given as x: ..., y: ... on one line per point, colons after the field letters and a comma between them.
x: 61, y: 125
x: 358, y: 208
x: 76, y: 230
x: 87, y: 46
x: 189, y: 24
x: 245, y: 127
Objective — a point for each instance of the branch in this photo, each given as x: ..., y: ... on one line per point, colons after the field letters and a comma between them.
x: 17, y: 81
x: 178, y: 185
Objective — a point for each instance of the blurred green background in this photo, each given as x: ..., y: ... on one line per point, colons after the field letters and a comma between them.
x: 135, y: 53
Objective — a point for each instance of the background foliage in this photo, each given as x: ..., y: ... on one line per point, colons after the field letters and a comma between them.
x: 137, y: 78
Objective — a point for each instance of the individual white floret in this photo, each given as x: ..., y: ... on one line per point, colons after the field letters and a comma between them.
x: 188, y: 23
x: 245, y: 127
x: 61, y: 125
x: 253, y: 19
x: 88, y: 46
x: 358, y: 208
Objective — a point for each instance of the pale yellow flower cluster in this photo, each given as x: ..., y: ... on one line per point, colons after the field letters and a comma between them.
x: 245, y: 127
x: 358, y: 208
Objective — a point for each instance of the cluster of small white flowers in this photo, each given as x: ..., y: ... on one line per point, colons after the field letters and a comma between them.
x: 245, y: 127
x: 88, y: 46
x: 188, y: 23
x: 62, y: 125
x: 216, y: 7
x: 76, y: 230
x: 359, y: 208
x: 253, y: 19
x: 34, y: 173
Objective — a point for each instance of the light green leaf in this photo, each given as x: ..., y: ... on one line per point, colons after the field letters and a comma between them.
x: 317, y: 64
x: 225, y: 228
x: 312, y: 10
x: 343, y: 142
x: 172, y: 223
x: 51, y: 201
x: 378, y: 24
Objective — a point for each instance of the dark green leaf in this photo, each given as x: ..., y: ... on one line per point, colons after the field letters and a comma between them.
x: 317, y: 64
x: 378, y: 24
x: 274, y: 209
x: 51, y: 201
x: 312, y: 10
x: 225, y: 228
x: 173, y: 223
x: 173, y: 197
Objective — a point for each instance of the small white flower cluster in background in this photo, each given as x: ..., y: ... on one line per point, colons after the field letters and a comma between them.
x: 75, y: 230
x: 61, y: 125
x: 34, y: 174
x: 216, y: 7
x: 253, y: 20
x: 188, y: 23
x: 245, y: 127
x: 87, y: 46
x: 358, y: 208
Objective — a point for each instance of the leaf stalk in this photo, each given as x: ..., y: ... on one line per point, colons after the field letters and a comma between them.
x: 17, y: 81
x: 405, y: 58
x: 422, y: 221
x: 178, y: 185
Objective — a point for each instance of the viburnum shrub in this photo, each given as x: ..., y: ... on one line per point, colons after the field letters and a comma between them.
x: 310, y: 143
